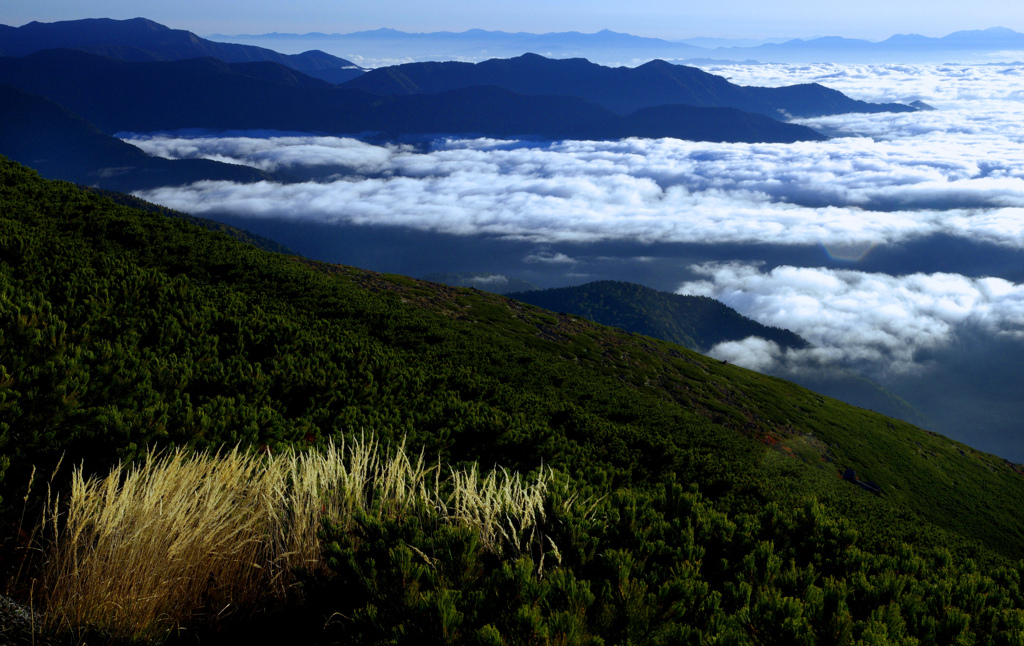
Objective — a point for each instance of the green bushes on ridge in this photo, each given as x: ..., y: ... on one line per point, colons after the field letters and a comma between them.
x: 716, y: 510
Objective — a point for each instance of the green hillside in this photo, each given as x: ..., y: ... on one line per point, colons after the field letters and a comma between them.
x: 691, y: 501
x: 257, y: 241
x: 700, y: 323
x: 696, y: 322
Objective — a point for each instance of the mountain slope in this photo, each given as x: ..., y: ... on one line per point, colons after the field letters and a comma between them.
x: 620, y: 89
x: 139, y: 39
x: 207, y: 93
x: 260, y: 242
x: 700, y: 323
x: 692, y: 500
x: 60, y: 145
x: 697, y: 322
x: 477, y: 336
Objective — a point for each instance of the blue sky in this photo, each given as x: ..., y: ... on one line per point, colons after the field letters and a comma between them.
x: 875, y: 19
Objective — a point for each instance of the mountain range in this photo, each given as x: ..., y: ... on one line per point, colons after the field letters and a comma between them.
x: 384, y: 46
x: 138, y: 76
x: 207, y: 93
x: 140, y: 39
x: 620, y: 89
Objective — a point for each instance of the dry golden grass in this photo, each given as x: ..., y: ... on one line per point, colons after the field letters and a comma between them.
x: 187, y: 537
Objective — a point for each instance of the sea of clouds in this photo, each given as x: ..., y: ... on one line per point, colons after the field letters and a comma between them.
x: 877, y: 322
x: 883, y: 181
x: 844, y: 191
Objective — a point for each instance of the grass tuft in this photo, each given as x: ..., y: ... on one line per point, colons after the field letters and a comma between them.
x: 183, y: 537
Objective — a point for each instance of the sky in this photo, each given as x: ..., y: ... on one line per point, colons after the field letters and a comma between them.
x: 670, y: 19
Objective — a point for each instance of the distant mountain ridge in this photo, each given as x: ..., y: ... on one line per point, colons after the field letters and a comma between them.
x: 479, y: 44
x: 208, y: 93
x: 139, y: 39
x: 612, y: 48
x: 621, y: 89
x: 897, y: 48
x: 137, y: 75
x: 696, y: 322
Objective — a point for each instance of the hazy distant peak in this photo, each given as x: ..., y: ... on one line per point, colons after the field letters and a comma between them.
x: 991, y: 31
x: 386, y: 46
x: 997, y: 34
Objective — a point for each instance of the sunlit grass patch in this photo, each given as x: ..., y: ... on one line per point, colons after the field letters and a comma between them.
x: 186, y: 537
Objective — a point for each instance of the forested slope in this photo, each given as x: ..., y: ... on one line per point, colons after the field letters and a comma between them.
x: 700, y: 323
x: 697, y: 322
x: 697, y: 502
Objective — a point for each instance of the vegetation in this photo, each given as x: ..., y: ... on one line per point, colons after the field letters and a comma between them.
x: 153, y: 547
x: 697, y: 322
x: 683, y: 500
x: 700, y: 323
x: 257, y: 241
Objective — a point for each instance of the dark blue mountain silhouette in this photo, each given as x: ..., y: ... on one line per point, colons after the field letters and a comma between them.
x: 140, y: 39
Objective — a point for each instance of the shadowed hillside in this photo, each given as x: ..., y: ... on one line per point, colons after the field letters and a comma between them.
x: 700, y: 323
x: 207, y: 93
x: 60, y: 145
x: 139, y: 39
x: 621, y: 89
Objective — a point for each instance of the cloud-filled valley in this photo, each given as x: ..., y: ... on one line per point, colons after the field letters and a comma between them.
x: 944, y: 86
x: 878, y: 322
x: 738, y: 222
x: 843, y: 191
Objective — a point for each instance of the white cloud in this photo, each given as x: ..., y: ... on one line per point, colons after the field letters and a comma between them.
x: 876, y: 322
x: 945, y: 86
x: 889, y: 178
x: 491, y: 280
x: 851, y: 191
x: 269, y: 151
x: 549, y: 258
x: 752, y: 352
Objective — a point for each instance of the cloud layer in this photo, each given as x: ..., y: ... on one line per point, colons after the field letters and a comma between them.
x: 848, y: 191
x: 885, y: 325
x: 886, y: 179
x: 943, y: 86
